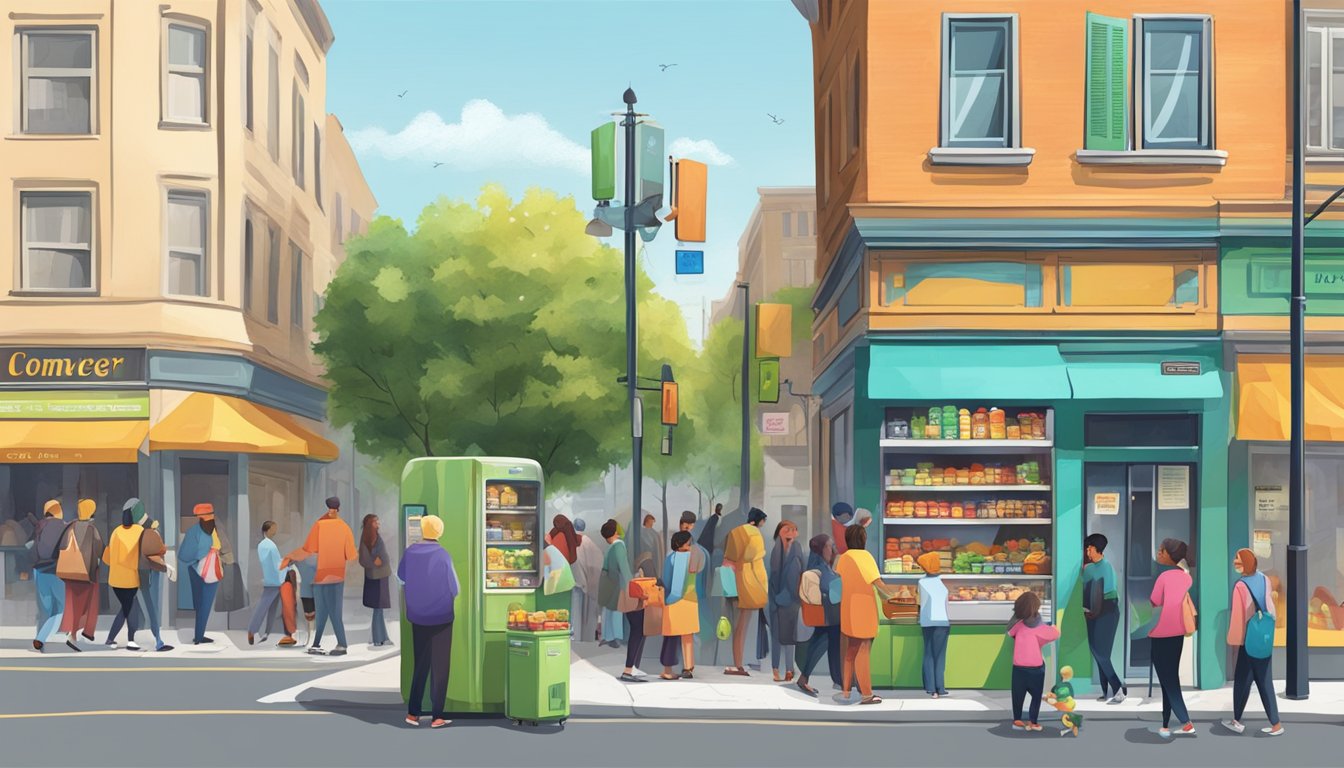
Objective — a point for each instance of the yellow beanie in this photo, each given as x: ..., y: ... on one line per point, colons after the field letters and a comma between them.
x: 431, y: 527
x: 930, y: 562
x: 86, y: 508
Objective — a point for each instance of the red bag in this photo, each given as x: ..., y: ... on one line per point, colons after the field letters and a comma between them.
x: 640, y: 589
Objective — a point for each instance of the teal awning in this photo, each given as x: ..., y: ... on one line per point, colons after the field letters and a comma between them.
x: 969, y: 372
x: 1141, y: 380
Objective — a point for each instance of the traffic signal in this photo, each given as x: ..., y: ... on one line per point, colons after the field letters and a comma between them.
x: 768, y: 386
x: 669, y: 403
x: 604, y: 162
x: 774, y: 330
x: 689, y: 189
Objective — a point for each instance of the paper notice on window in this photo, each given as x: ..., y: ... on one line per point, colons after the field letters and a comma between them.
x: 1271, y: 503
x: 1262, y: 544
x: 1173, y: 487
x: 1105, y: 503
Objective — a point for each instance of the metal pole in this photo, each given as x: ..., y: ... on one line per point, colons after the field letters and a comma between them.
x: 631, y: 332
x: 744, y: 500
x: 1297, y: 681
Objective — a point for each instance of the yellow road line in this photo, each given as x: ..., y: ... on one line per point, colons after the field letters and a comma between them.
x: 159, y: 712
x: 161, y: 669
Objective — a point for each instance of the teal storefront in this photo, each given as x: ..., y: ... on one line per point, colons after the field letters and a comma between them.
x: 1132, y: 443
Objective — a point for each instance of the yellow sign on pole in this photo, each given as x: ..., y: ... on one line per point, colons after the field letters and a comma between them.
x: 774, y: 330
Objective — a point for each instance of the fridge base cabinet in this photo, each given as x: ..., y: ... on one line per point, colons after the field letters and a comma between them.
x: 537, y: 677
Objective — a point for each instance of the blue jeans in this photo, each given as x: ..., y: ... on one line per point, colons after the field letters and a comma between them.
x: 50, y: 603
x: 778, y: 649
x: 264, y: 610
x: 825, y: 640
x: 935, y: 659
x: 1028, y: 680
x: 149, y: 602
x: 379, y: 628
x: 330, y: 604
x: 202, y: 599
x: 613, y: 626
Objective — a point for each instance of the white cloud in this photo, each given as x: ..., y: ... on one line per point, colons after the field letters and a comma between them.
x: 484, y: 137
x: 703, y: 150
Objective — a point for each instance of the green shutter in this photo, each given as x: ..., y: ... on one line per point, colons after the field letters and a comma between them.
x: 604, y: 162
x: 1107, y: 86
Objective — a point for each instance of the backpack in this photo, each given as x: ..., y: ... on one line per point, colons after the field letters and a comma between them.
x: 809, y: 594
x: 1259, y: 643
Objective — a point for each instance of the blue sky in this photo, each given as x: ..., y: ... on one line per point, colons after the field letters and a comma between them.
x: 483, y: 77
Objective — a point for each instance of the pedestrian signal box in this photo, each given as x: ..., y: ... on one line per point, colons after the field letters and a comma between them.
x: 669, y: 403
x: 688, y: 201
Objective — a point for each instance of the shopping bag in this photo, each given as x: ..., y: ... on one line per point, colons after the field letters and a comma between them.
x: 724, y: 630
x: 640, y: 588
x: 209, y: 568
x: 728, y: 581
x: 70, y: 565
x: 1189, y: 615
x: 559, y: 576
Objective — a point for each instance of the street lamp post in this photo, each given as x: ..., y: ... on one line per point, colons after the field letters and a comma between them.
x: 1297, y: 685
x: 631, y: 335
x: 744, y: 496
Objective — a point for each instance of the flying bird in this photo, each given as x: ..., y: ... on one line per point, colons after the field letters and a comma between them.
x: 403, y: 93
x: 436, y: 165
x: 777, y: 120
x: 665, y: 67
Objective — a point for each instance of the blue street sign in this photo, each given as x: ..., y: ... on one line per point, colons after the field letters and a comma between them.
x: 690, y: 262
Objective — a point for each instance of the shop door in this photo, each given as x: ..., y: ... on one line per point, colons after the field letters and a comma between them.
x: 1136, y: 506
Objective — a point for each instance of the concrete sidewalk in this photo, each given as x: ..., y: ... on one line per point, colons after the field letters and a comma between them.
x: 596, y: 692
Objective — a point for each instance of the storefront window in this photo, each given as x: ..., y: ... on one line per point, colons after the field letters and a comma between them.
x: 1172, y: 286
x: 1325, y: 538
x: 841, y: 460
x: 962, y: 284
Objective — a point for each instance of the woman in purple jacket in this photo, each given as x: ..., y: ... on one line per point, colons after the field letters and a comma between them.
x: 430, y: 591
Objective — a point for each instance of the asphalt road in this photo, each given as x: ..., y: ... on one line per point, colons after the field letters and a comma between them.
x: 125, y: 714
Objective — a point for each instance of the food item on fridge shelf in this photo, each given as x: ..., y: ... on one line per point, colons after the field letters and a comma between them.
x: 964, y: 424
x: 1037, y: 427
x: 997, y: 424
x: 921, y: 509
x: 491, y: 497
x: 958, y: 511
x: 980, y: 424
x: 1014, y: 431
x: 1024, y: 424
x: 508, y: 497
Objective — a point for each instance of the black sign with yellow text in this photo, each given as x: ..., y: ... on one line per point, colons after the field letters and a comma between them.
x: 70, y: 365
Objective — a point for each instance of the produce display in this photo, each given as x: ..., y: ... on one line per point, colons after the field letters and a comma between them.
x: 1025, y: 556
x: 951, y: 423
x: 538, y: 621
x: 965, y: 508
x: 927, y: 474
x: 509, y: 559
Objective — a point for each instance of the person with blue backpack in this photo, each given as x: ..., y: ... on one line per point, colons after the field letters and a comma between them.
x: 1251, y: 631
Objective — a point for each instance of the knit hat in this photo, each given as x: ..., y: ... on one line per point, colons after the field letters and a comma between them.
x: 131, y: 511
x: 86, y: 509
x: 52, y: 508
x: 841, y: 509
x: 930, y: 562
x: 431, y: 527
x: 580, y: 525
x: 204, y: 511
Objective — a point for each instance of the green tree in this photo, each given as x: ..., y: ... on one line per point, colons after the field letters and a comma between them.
x: 494, y: 329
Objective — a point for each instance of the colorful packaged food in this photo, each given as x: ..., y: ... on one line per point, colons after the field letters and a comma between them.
x: 980, y: 425
x: 997, y: 424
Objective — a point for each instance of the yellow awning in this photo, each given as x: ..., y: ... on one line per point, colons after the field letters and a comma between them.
x: 218, y: 423
x: 71, y: 442
x: 1264, y: 398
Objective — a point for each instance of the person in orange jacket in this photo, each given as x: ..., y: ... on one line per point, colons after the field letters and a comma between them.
x: 333, y: 544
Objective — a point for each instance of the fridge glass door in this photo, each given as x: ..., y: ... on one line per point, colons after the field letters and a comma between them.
x: 513, y: 538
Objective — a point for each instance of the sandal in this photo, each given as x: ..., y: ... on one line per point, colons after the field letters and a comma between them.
x: 669, y: 677
x: 809, y: 690
x: 871, y: 700
x: 413, y: 721
x: 686, y: 673
x: 736, y: 671
x: 788, y: 677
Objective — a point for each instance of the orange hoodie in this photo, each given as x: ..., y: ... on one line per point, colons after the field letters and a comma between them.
x: 334, y: 544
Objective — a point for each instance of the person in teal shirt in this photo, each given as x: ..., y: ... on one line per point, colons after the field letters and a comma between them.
x: 1101, y: 607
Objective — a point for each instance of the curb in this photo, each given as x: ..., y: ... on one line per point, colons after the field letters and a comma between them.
x: 852, y: 714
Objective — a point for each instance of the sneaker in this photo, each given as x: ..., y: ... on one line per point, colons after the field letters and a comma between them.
x: 338, y: 651
x: 1233, y: 726
x: 37, y: 645
x: 111, y: 644
x: 1104, y: 698
x: 637, y: 672
x: 628, y: 678
x: 413, y: 721
x: 440, y: 723
x: 287, y: 641
x: 316, y: 651
x: 1035, y: 727
x: 1272, y: 731
x: 1018, y: 725
x: 133, y: 647
x: 843, y: 698
x: 70, y: 642
x: 1186, y: 730
x: 265, y: 636
x: 1118, y: 698
x: 163, y: 647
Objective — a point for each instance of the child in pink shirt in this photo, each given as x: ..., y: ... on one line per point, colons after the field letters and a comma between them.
x: 1030, y: 635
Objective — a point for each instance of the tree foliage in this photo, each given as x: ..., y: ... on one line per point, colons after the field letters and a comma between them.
x: 493, y: 329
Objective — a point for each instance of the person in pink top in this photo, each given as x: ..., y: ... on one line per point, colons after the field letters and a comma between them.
x: 1167, y: 635
x: 1030, y: 635
x: 1251, y: 594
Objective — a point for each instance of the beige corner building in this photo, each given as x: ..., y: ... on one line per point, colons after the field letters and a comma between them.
x: 778, y: 250
x: 175, y: 200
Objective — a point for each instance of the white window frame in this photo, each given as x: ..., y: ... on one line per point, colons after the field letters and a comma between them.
x: 1329, y: 26
x: 21, y: 266
x: 23, y: 35
x: 169, y: 69
x: 187, y: 196
x: 1012, y: 152
x: 1208, y: 138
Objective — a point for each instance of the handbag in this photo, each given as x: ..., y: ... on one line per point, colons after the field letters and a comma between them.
x: 210, y: 569
x: 606, y: 592
x: 1189, y: 615
x: 728, y: 581
x: 70, y: 565
x: 639, y: 588
x: 1259, y: 641
x: 724, y: 629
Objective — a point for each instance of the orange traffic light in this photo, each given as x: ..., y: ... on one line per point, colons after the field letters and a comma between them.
x: 688, y: 202
x: 669, y: 403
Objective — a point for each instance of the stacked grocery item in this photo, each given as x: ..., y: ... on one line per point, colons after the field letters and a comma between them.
x: 1013, y: 556
x: 498, y: 559
x: 1005, y: 593
x: 538, y: 621
x: 964, y: 508
x: 947, y: 422
x: 926, y: 474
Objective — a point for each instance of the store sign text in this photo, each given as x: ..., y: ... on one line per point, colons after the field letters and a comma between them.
x: 71, y: 365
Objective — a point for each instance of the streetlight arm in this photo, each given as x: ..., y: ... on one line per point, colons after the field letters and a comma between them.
x: 1321, y: 208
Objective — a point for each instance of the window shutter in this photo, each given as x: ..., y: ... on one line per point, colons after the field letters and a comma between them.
x: 1107, y: 86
